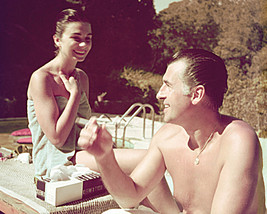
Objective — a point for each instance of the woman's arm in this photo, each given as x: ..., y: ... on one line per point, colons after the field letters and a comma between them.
x: 55, y: 126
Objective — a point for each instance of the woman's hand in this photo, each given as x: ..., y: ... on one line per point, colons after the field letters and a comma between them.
x: 72, y: 84
x: 95, y: 139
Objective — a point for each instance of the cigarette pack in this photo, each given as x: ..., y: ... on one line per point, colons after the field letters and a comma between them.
x: 88, y: 185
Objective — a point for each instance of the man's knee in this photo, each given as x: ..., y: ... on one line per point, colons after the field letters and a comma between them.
x: 141, y: 210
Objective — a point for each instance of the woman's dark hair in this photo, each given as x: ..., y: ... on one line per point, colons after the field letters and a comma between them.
x: 207, y: 69
x: 67, y: 16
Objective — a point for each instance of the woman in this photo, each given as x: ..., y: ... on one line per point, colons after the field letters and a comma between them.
x: 58, y: 92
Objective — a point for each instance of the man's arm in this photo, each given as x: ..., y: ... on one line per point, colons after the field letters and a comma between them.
x: 128, y: 191
x: 238, y: 179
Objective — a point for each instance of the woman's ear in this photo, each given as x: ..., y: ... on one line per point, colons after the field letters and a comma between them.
x: 56, y: 41
x: 197, y: 94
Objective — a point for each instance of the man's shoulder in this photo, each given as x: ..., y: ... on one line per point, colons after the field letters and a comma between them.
x: 233, y: 127
x: 167, y: 132
x: 169, y: 128
x: 238, y: 135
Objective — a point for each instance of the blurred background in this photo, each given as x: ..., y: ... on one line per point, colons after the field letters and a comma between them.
x: 132, y: 41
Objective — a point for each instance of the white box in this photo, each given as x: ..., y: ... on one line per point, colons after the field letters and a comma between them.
x: 57, y: 193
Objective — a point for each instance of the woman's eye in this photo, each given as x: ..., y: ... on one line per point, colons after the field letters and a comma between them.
x: 88, y: 40
x: 77, y: 39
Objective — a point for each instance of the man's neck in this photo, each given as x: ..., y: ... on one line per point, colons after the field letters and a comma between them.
x: 201, y: 128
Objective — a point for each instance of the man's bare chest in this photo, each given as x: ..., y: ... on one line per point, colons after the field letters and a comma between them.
x: 194, y: 185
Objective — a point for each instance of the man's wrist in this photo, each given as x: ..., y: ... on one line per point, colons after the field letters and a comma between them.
x: 105, y: 157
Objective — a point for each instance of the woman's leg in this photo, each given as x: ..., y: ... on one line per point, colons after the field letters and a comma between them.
x: 126, y: 158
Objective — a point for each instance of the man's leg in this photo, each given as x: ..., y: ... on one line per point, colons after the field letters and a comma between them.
x: 129, y: 211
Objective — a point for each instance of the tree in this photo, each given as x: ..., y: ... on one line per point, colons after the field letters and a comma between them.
x: 185, y: 24
x: 236, y: 31
x: 26, y: 44
x: 119, y: 39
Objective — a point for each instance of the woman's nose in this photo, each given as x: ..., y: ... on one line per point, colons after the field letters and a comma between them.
x: 82, y: 44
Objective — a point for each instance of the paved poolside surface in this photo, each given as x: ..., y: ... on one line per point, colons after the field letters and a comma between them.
x: 134, y: 135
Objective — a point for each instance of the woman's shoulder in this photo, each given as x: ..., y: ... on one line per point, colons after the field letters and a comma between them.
x: 82, y: 73
x: 84, y: 80
x: 42, y: 73
x: 40, y: 79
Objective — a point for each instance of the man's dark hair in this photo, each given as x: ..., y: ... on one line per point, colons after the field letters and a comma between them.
x: 207, y: 69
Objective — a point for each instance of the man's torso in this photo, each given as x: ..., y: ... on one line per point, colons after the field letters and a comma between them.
x: 194, y: 185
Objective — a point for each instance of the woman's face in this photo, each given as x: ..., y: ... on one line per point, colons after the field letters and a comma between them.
x: 76, y: 41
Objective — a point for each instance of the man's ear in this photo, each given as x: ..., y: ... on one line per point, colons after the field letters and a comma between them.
x: 197, y: 94
x: 56, y: 41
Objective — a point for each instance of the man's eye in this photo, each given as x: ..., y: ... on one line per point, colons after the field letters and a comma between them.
x: 168, y: 85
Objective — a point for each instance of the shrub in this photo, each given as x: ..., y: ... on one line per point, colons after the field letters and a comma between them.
x: 148, y: 82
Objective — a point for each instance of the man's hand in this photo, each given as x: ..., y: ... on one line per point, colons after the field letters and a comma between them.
x: 95, y: 139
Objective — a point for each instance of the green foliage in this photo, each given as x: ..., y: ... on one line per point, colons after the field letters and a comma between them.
x: 129, y: 40
x: 142, y: 79
x: 119, y: 38
x: 134, y: 85
x: 148, y: 82
x: 236, y: 31
x: 185, y: 24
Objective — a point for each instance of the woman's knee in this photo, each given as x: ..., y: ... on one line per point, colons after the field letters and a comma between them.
x: 128, y: 159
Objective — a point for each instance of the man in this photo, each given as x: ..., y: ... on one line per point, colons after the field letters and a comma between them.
x: 213, y: 159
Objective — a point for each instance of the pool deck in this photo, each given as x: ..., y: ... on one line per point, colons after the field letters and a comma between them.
x: 134, y: 135
x: 9, y: 142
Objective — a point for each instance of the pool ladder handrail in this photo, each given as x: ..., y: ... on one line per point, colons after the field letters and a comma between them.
x: 141, y: 107
x: 104, y: 115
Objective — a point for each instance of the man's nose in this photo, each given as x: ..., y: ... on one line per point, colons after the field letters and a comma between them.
x: 161, y: 93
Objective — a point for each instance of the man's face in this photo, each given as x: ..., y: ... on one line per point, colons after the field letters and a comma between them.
x: 171, y: 93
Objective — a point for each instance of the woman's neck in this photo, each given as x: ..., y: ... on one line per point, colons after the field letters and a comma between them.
x: 64, y: 65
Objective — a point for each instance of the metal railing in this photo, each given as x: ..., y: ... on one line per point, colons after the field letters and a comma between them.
x: 140, y: 107
x: 118, y: 122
